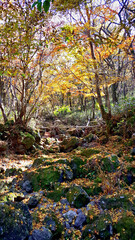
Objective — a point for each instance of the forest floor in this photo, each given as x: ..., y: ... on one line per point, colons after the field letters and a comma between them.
x: 101, y: 207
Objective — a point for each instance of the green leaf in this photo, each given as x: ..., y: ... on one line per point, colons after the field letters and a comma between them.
x: 46, y: 5
x: 34, y: 4
x: 39, y: 6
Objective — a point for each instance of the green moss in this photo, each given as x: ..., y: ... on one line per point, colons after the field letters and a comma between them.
x: 28, y: 140
x: 94, y: 190
x: 44, y: 178
x: 58, y: 193
x: 89, y: 151
x: 128, y: 159
x: 12, y: 172
x: 77, y: 196
x: 78, y: 166
x: 69, y: 144
x: 126, y: 227
x: 89, y: 137
x: 116, y: 202
x: 37, y: 162
x: 59, y: 227
x: 109, y: 164
x: 98, y: 229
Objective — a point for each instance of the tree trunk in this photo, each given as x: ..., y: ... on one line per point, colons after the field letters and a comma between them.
x: 3, y: 111
x: 114, y: 93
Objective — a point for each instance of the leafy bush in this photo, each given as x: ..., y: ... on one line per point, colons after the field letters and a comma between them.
x: 62, y: 111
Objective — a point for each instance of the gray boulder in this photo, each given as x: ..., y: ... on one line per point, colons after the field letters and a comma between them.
x: 69, y: 216
x: 80, y: 220
x: 44, y: 234
x: 27, y: 186
x: 15, y: 221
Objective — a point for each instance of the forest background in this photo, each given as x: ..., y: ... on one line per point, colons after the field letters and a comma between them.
x: 78, y: 59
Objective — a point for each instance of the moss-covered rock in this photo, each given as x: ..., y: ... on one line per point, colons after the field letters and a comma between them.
x: 77, y: 165
x: 57, y: 193
x: 77, y: 197
x: 15, y: 221
x: 89, y: 152
x: 27, y: 140
x: 126, y: 227
x: 120, y: 201
x: 89, y: 138
x: 12, y: 172
x: 100, y: 228
x: 109, y: 164
x: 95, y: 189
x: 51, y: 222
x: 43, y: 178
x: 68, y: 145
x: 39, y: 161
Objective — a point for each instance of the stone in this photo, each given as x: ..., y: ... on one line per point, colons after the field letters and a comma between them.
x: 89, y: 138
x: 70, y: 215
x: 33, y: 202
x: 64, y: 201
x: 133, y: 151
x: 67, y: 145
x: 126, y: 227
x: 44, y: 234
x: 27, y: 186
x: 50, y: 223
x: 15, y: 221
x: 77, y: 197
x: 68, y: 174
x: 43, y: 178
x: 76, y: 165
x: 27, y: 140
x: 80, y: 220
x: 109, y: 164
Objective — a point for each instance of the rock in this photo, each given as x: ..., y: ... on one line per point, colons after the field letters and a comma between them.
x: 70, y: 215
x: 130, y: 178
x: 15, y: 221
x: 120, y: 201
x: 39, y: 161
x: 68, y: 174
x: 77, y: 197
x: 76, y: 165
x: 125, y: 227
x: 89, y: 152
x: 133, y: 151
x: 33, y: 202
x: 109, y: 164
x: 50, y: 223
x: 43, y: 178
x: 89, y: 138
x: 44, y: 234
x: 64, y: 201
x: 3, y: 146
x: 68, y: 145
x: 27, y: 186
x: 27, y: 140
x: 80, y: 220
x: 12, y: 172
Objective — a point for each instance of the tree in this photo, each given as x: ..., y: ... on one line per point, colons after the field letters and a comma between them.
x: 24, y: 48
x: 97, y: 50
